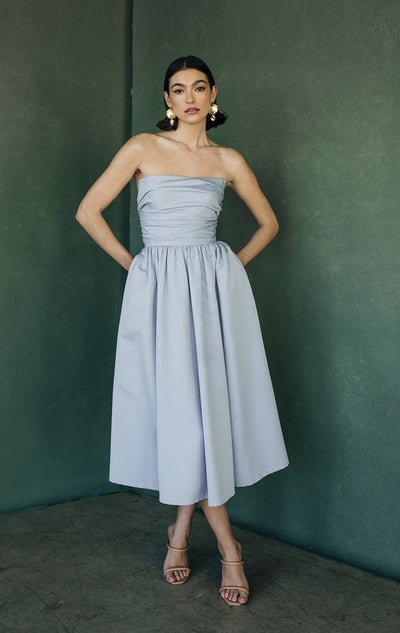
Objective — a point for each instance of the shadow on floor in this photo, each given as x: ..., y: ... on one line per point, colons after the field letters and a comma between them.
x: 95, y: 565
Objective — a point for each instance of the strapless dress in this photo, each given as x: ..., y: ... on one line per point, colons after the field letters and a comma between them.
x: 193, y: 409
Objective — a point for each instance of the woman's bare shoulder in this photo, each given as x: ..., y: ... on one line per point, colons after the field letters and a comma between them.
x: 228, y: 155
x: 138, y: 147
x: 232, y: 161
x: 231, y: 156
x: 142, y: 140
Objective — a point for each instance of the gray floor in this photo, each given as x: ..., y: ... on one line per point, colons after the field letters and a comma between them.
x: 94, y: 566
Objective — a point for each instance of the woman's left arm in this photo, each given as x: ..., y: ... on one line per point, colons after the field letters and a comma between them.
x: 244, y: 182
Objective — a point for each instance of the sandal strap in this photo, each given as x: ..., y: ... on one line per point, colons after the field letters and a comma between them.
x: 232, y: 562
x: 176, y: 569
x: 234, y: 587
x: 178, y: 549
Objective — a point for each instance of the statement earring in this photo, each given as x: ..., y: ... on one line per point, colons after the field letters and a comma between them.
x: 213, y: 111
x: 171, y: 115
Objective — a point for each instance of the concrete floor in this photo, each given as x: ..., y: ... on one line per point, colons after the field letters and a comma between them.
x: 95, y: 565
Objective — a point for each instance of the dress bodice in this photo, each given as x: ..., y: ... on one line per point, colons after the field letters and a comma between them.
x: 179, y: 209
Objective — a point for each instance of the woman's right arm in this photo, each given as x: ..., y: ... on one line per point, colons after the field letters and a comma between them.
x: 106, y: 188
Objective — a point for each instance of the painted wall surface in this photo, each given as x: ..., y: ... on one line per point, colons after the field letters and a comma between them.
x: 312, y: 92
x: 64, y: 112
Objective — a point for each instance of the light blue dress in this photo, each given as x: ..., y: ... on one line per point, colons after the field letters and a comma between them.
x: 193, y: 412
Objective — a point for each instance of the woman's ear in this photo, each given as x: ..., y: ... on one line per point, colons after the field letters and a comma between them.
x: 166, y: 97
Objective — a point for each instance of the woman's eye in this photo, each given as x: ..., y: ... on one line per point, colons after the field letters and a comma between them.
x: 202, y: 88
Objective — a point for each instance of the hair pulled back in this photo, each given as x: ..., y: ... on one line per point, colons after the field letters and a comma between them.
x: 189, y: 61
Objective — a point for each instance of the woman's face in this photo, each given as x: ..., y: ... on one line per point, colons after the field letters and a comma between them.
x: 190, y: 95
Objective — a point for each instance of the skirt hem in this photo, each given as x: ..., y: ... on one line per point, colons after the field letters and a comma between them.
x: 211, y: 503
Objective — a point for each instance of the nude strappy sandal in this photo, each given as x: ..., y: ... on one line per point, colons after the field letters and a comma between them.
x: 230, y: 602
x: 177, y: 549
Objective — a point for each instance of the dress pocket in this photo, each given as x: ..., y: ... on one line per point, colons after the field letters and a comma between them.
x: 240, y: 262
x: 134, y: 262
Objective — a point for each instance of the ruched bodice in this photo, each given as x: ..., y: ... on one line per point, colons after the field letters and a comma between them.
x: 194, y: 413
x: 179, y: 209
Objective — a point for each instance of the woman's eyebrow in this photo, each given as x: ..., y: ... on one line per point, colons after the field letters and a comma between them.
x: 193, y: 84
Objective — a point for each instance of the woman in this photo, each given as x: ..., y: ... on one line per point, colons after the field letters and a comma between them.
x: 194, y: 413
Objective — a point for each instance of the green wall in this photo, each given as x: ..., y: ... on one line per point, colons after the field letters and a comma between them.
x: 64, y: 112
x: 312, y: 92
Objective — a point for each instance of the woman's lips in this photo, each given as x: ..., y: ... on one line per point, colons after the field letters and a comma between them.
x: 191, y: 110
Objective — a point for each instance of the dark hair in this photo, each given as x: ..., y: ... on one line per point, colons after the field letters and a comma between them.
x: 189, y: 61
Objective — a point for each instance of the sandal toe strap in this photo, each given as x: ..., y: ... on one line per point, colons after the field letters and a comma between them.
x: 234, y: 587
x: 176, y: 569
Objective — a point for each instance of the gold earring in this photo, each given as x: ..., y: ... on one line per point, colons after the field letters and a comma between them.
x: 171, y: 115
x: 213, y: 111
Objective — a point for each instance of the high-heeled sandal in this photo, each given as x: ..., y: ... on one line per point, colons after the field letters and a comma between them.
x: 178, y: 549
x: 238, y: 588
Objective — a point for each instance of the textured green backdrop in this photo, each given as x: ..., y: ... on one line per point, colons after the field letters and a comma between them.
x: 65, y: 110
x: 312, y: 93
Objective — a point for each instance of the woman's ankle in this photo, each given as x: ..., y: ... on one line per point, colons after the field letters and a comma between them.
x: 230, y: 550
x: 178, y: 535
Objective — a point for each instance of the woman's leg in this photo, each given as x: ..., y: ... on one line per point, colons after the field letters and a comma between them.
x: 178, y: 535
x: 230, y: 549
